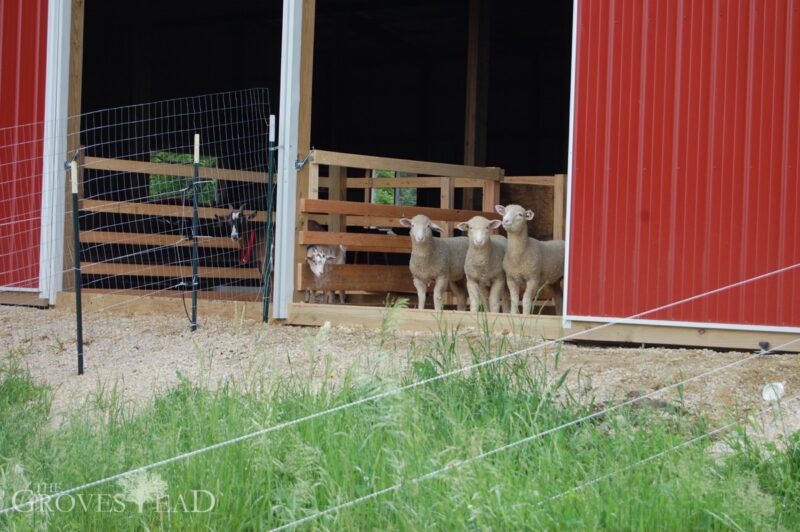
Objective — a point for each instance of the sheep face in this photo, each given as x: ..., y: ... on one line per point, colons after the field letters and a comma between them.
x: 421, y: 227
x: 479, y: 230
x: 317, y: 258
x: 514, y: 216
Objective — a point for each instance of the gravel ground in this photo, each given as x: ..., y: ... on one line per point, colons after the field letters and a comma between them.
x: 141, y: 356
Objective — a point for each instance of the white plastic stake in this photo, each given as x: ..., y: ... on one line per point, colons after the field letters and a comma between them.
x: 272, y: 128
x: 197, y: 148
x: 73, y: 172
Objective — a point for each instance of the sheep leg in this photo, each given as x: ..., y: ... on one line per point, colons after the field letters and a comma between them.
x: 474, y: 295
x: 438, y: 292
x: 506, y: 301
x: 513, y: 291
x: 558, y: 297
x: 527, y: 297
x: 495, y: 292
x: 461, y: 295
x: 422, y: 288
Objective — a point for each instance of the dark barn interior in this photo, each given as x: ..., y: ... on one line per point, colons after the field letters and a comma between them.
x: 389, y: 79
x: 389, y: 76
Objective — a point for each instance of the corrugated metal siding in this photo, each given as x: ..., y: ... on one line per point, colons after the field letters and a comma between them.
x: 686, y: 158
x: 23, y: 53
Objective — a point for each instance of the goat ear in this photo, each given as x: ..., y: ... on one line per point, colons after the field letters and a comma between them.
x: 500, y: 209
x: 529, y: 214
x: 494, y: 224
x: 463, y: 226
x: 405, y: 222
x: 436, y: 227
x: 330, y: 257
x: 241, y: 208
x: 251, y: 215
x: 230, y: 208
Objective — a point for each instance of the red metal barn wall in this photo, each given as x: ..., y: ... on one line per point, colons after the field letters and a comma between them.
x: 23, y: 53
x: 686, y: 158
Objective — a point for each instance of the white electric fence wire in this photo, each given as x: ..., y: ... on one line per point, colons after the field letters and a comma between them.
x: 460, y: 463
x: 417, y: 384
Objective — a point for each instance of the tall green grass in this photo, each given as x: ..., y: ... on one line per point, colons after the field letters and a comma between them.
x: 293, y: 473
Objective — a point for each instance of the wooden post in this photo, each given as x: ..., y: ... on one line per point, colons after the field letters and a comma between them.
x: 304, y: 177
x: 491, y: 195
x: 446, y: 202
x: 477, y: 84
x: 559, y: 206
x: 73, y: 134
x: 337, y: 191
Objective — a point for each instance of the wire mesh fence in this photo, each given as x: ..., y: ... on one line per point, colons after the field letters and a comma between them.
x: 136, y: 195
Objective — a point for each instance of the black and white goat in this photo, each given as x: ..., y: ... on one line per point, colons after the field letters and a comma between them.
x: 317, y: 258
x: 248, y: 234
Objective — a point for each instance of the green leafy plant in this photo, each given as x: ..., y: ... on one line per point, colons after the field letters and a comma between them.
x: 165, y: 186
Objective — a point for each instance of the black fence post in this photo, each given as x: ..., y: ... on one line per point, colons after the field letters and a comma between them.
x: 270, y: 200
x: 195, y: 230
x: 73, y: 170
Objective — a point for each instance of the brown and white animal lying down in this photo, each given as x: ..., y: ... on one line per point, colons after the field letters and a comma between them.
x: 317, y: 258
x: 528, y: 262
x: 437, y: 260
x: 249, y: 235
x: 483, y: 267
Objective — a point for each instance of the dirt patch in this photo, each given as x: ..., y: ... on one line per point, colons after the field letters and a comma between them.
x: 141, y: 356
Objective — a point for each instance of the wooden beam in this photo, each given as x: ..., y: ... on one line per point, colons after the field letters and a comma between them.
x: 180, y: 170
x: 308, y: 176
x: 422, y: 168
x: 23, y: 299
x: 477, y: 90
x: 139, y: 270
x: 211, y: 295
x: 209, y: 308
x: 403, y: 182
x: 541, y: 180
x: 73, y: 132
x: 559, y: 207
x: 547, y: 327
x: 393, y: 211
x: 150, y: 209
x: 357, y: 241
x: 147, y: 239
x: 446, y: 201
x: 337, y: 191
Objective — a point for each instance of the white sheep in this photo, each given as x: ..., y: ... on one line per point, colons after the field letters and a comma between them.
x: 484, y: 264
x: 528, y: 261
x: 317, y: 257
x: 438, y: 260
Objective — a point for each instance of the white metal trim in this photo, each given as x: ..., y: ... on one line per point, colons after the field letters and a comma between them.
x: 51, y: 248
x: 570, y: 148
x: 692, y: 324
x: 289, y: 115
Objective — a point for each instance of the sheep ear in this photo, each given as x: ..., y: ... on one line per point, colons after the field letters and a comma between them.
x: 494, y: 224
x: 500, y: 209
x: 436, y: 227
x: 330, y: 257
x: 529, y: 214
x: 405, y: 222
x: 463, y: 226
